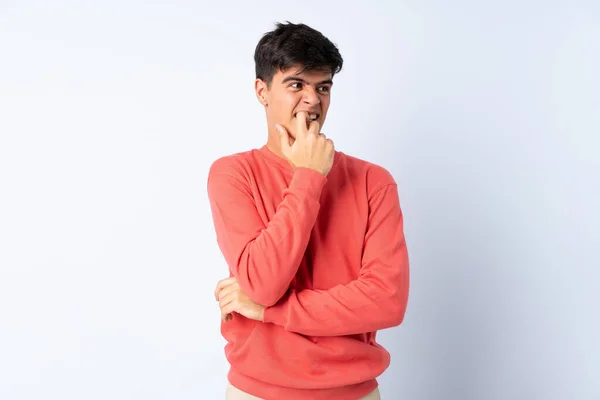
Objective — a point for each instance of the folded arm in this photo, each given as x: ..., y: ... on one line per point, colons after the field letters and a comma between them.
x: 263, y: 258
x: 376, y: 300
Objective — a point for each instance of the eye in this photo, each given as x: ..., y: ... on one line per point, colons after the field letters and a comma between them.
x: 296, y: 85
x: 324, y: 89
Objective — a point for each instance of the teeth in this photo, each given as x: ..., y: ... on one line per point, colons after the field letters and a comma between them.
x: 310, y: 117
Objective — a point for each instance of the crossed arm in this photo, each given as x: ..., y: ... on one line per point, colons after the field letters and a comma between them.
x: 264, y: 259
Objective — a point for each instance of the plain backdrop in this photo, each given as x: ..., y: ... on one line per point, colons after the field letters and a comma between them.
x: 486, y: 113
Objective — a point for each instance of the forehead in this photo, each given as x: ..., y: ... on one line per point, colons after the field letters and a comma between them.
x: 314, y: 75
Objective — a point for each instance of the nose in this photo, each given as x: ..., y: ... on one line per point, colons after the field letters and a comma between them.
x: 311, y: 97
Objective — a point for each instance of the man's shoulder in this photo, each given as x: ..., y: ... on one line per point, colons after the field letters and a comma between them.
x: 232, y: 164
x: 374, y: 175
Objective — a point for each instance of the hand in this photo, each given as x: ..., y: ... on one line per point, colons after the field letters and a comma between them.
x: 311, y: 149
x: 232, y: 299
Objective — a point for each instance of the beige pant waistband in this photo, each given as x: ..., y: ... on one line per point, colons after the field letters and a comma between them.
x: 234, y: 393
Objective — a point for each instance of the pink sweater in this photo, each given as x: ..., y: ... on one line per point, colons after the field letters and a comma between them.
x: 326, y: 255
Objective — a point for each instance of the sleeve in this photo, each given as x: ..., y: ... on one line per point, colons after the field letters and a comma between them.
x: 264, y: 258
x: 375, y: 301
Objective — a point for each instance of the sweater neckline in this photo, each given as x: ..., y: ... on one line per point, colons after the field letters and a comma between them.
x: 280, y: 161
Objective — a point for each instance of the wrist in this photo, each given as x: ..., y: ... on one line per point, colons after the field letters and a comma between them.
x: 309, y: 180
x: 276, y: 314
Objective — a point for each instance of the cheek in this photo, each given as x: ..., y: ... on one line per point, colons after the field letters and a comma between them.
x: 289, y: 103
x: 285, y: 106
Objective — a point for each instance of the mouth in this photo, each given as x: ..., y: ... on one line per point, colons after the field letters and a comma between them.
x: 310, y: 117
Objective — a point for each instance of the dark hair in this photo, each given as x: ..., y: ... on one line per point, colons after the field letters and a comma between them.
x: 290, y: 44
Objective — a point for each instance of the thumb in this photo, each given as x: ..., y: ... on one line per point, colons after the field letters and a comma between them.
x: 285, y: 138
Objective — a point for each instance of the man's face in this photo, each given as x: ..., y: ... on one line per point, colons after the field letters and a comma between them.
x: 291, y: 92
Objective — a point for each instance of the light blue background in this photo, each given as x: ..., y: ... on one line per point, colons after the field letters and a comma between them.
x: 486, y: 113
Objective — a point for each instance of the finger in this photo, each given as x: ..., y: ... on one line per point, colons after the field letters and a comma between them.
x: 284, y: 137
x: 227, y: 299
x: 314, y: 128
x: 228, y: 290
x: 227, y: 306
x: 227, y: 317
x: 301, y: 123
x: 223, y: 283
x: 328, y: 141
x: 228, y: 309
x: 227, y: 281
x: 234, y: 287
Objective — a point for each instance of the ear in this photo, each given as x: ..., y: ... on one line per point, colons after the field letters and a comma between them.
x: 261, y: 90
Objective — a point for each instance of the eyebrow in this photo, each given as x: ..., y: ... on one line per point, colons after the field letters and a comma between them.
x: 298, y: 79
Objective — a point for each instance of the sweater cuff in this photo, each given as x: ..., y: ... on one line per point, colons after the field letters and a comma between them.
x: 309, y: 180
x: 276, y: 314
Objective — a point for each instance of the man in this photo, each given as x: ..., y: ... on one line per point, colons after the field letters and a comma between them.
x: 313, y: 239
